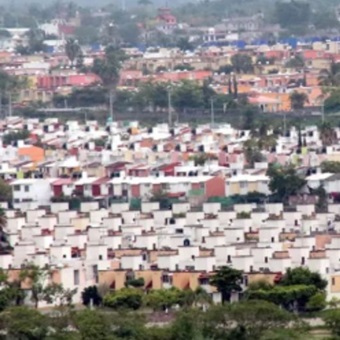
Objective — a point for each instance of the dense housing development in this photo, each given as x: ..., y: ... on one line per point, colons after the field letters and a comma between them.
x: 179, y: 160
x: 165, y: 205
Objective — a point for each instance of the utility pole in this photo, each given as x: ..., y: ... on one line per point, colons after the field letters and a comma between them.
x: 111, y: 104
x: 323, y: 111
x: 169, y: 108
x: 10, y: 104
x: 212, y: 111
x: 284, y: 124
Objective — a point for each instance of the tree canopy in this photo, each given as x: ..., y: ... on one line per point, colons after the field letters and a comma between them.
x: 227, y: 281
x: 284, y: 181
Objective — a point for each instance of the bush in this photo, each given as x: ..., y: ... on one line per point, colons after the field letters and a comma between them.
x: 136, y: 282
x: 243, y: 215
x: 317, y: 302
x: 161, y: 299
x: 15, y: 136
x: 129, y: 298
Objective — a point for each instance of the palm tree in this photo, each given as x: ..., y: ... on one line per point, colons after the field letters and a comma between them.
x: 108, y: 69
x: 327, y: 134
x: 330, y: 77
x: 252, y: 152
x: 264, y: 139
x: 72, y: 50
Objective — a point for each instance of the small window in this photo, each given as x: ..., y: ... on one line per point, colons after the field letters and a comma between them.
x: 100, y: 257
x: 16, y: 188
x: 333, y: 281
x: 76, y: 277
x: 166, y: 278
x: 27, y: 188
x: 243, y: 185
x: 266, y: 259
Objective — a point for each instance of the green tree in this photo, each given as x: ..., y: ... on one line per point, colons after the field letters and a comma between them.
x: 184, y: 44
x: 227, y: 281
x: 217, y: 323
x: 249, y: 118
x: 130, y: 298
x: 284, y: 181
x: 183, y: 67
x: 327, y: 134
x: 108, y: 69
x: 322, y: 203
x: 187, y: 95
x: 23, y: 323
x: 303, y: 276
x: 91, y: 295
x: 5, y: 196
x: 9, y: 85
x: 296, y: 62
x: 161, y: 197
x: 227, y: 69
x: 252, y: 152
x: 330, y: 77
x: 37, y: 279
x: 161, y: 299
x: 10, y: 293
x: 332, y: 321
x: 135, y: 283
x: 93, y: 325
x: 292, y: 297
x: 35, y: 40
x: 201, y: 297
x: 187, y: 325
x: 257, y: 317
x: 15, y: 136
x: 72, y: 50
x: 298, y: 100
x: 242, y: 63
x: 126, y: 327
x: 317, y: 302
x: 55, y: 293
x: 332, y: 102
